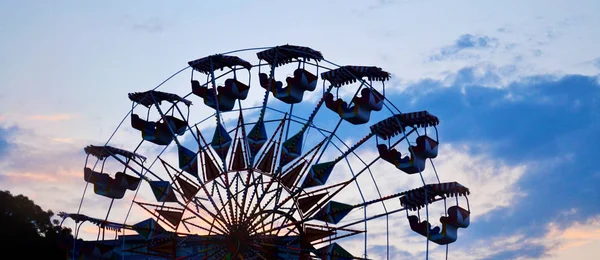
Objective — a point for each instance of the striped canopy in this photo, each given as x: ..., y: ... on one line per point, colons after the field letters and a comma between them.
x: 285, y: 54
x: 350, y: 74
x: 101, y: 152
x: 216, y: 62
x: 148, y: 98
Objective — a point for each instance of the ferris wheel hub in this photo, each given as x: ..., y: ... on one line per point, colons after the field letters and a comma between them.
x: 238, y: 237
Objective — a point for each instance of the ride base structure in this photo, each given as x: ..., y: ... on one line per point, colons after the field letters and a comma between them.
x: 257, y: 182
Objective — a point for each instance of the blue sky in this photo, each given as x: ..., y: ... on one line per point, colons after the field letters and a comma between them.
x: 515, y: 83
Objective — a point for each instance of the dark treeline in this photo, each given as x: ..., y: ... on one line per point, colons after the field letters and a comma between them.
x: 29, y: 232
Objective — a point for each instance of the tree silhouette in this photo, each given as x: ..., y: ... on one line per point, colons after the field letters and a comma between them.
x: 28, y: 231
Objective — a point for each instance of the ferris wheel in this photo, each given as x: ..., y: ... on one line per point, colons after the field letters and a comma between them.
x: 272, y: 171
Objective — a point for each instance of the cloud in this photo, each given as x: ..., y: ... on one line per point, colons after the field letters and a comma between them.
x: 487, y: 176
x: 63, y: 140
x: 494, y: 188
x: 44, y: 171
x: 463, y: 43
x: 6, y: 134
x: 54, y: 117
x: 395, y: 252
x: 535, y: 111
x: 483, y: 76
x: 517, y: 147
x: 152, y: 25
x: 576, y: 235
x: 545, y: 122
x: 472, y: 41
x: 50, y: 173
x: 596, y: 63
x: 578, y: 241
x: 516, y: 246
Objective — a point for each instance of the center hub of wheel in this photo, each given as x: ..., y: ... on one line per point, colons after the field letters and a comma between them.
x: 238, y: 239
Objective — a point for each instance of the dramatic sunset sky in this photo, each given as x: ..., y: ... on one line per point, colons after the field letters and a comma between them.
x: 515, y: 83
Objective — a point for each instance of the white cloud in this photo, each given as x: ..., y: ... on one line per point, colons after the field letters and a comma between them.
x: 493, y: 185
x: 578, y: 240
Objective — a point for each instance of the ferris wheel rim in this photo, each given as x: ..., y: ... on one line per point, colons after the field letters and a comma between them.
x: 388, y: 104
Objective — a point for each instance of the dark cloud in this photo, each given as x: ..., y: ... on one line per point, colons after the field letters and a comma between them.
x: 548, y: 122
x: 539, y: 110
x: 469, y: 75
x: 464, y: 42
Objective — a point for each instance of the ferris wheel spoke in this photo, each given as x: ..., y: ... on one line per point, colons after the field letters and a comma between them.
x: 263, y: 208
x: 286, y: 222
x: 245, y: 195
x: 328, y: 234
x: 277, y: 195
x: 214, y: 182
x: 217, y: 215
x: 223, y: 209
x: 266, y: 162
x: 216, y: 100
x: 296, y: 171
x: 323, y: 171
x: 248, y: 161
x: 289, y: 230
x: 278, y: 191
x: 254, y: 191
x: 269, y: 86
x: 333, y: 133
x: 227, y: 217
x: 244, y: 138
x: 257, y: 205
x: 261, y: 224
x: 211, y: 224
x: 291, y: 150
x: 358, y: 173
x: 292, y: 176
x: 222, y: 149
x: 236, y: 193
x: 148, y: 170
x: 231, y: 204
x: 253, y: 188
x: 238, y: 206
x: 229, y: 198
x: 259, y: 208
x: 293, y: 233
x: 279, y: 188
x: 222, y: 224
